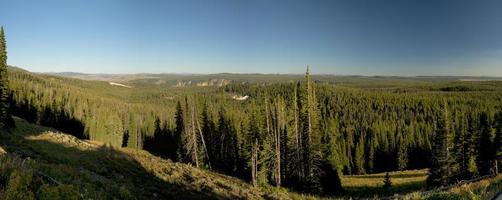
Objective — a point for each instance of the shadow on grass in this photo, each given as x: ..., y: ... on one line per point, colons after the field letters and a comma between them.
x: 382, y: 176
x: 367, y: 191
x: 100, y: 171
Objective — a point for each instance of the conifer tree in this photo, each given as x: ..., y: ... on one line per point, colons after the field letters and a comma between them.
x: 439, y: 170
x: 461, y: 149
x: 5, y: 118
x: 402, y: 156
x: 330, y: 180
x: 208, y: 132
x: 498, y: 142
x: 253, y: 137
x: 471, y: 145
x: 486, y: 152
x: 310, y: 136
x: 192, y: 146
x: 180, y: 129
x: 359, y: 156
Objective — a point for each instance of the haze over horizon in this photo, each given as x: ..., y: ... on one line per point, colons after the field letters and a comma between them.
x: 401, y: 38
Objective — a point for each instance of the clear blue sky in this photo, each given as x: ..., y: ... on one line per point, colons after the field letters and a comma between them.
x: 372, y: 37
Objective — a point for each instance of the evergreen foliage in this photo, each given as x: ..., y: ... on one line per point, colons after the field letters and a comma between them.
x: 487, y: 152
x: 439, y: 173
x: 5, y: 115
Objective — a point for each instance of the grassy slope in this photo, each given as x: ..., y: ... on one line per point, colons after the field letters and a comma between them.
x: 100, y: 172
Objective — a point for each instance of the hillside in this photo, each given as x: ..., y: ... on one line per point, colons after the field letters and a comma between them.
x: 98, y: 171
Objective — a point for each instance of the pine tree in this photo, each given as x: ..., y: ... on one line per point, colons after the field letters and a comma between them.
x: 192, y: 146
x: 439, y: 171
x: 5, y: 118
x: 461, y: 149
x: 486, y: 152
x: 359, y: 156
x: 208, y: 132
x: 330, y: 180
x: 278, y: 126
x: 297, y: 158
x: 310, y: 138
x: 498, y: 142
x: 471, y: 146
x: 179, y: 131
x: 227, y: 158
x: 402, y: 156
x: 253, y: 137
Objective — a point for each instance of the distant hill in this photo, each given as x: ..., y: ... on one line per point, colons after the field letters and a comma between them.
x: 221, y: 79
x: 97, y: 77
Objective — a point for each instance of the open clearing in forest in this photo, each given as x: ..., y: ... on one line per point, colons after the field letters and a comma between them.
x: 372, y: 184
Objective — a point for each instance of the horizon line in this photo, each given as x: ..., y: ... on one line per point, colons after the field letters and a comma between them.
x: 250, y: 73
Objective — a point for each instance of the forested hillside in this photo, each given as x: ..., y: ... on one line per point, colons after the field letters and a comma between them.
x: 297, y: 134
x: 41, y: 163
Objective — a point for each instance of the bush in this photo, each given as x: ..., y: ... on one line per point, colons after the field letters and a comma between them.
x: 445, y: 196
x: 62, y: 192
x: 18, y: 186
x: 387, y: 183
x: 123, y: 193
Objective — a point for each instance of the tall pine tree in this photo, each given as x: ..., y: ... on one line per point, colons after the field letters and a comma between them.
x: 439, y: 170
x: 5, y: 118
x: 498, y: 141
x: 486, y: 152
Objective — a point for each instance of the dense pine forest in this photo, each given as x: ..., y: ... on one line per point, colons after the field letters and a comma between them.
x: 302, y: 134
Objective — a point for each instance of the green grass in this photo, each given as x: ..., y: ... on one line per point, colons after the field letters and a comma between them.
x: 371, y: 185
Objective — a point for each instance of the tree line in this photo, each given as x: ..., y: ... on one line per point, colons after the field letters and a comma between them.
x: 468, y: 150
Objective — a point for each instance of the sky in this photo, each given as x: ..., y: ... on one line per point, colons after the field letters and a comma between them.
x: 352, y: 37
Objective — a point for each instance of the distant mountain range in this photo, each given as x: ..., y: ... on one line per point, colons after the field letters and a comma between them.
x: 225, y: 78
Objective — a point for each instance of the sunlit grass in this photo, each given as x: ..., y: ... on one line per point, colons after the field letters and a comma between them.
x: 371, y: 185
x: 376, y: 180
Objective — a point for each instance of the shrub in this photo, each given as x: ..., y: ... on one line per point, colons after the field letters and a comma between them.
x: 18, y: 186
x: 445, y: 196
x: 387, y: 183
x: 62, y: 192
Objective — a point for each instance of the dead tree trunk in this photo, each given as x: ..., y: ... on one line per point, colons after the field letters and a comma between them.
x: 195, y: 153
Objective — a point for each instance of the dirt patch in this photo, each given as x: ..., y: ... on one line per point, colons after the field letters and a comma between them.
x: 65, y: 139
